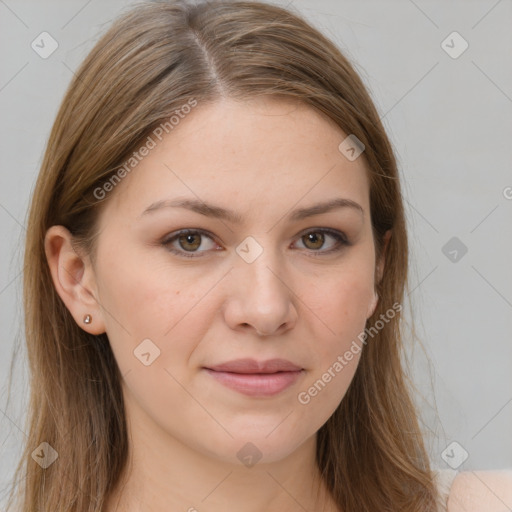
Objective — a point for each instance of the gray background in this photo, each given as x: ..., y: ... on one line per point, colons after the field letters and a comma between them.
x: 450, y: 121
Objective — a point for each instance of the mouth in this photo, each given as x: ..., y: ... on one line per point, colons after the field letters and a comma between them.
x: 256, y: 384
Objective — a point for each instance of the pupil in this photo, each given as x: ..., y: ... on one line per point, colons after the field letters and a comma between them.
x: 315, y: 239
x: 189, y: 240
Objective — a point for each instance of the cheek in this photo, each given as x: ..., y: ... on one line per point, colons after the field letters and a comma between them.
x: 160, y: 318
x: 341, y: 312
x: 341, y: 302
x: 147, y: 301
x: 340, y: 305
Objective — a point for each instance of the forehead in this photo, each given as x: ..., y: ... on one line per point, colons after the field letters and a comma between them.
x: 245, y: 154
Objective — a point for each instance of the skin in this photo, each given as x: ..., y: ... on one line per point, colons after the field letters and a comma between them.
x: 261, y: 158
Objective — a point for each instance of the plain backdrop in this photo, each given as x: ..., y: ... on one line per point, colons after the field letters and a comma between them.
x: 448, y: 114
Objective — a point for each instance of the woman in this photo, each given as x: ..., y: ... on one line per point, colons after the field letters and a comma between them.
x: 216, y: 259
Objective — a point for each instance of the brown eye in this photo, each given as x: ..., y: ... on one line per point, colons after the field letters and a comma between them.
x: 189, y: 242
x: 193, y: 243
x: 314, y: 240
x: 323, y: 241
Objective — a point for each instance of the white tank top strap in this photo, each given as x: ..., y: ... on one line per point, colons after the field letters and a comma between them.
x: 444, y: 481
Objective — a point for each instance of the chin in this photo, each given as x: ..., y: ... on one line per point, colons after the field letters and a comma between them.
x: 250, y: 447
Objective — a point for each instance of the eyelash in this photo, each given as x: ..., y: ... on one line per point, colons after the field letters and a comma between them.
x: 340, y: 238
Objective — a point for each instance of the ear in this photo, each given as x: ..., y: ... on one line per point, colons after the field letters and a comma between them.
x: 73, y: 278
x: 379, y: 271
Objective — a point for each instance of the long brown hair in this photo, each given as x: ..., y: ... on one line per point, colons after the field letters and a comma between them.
x: 153, y: 60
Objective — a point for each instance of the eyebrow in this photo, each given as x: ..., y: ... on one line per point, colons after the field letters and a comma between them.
x: 218, y: 212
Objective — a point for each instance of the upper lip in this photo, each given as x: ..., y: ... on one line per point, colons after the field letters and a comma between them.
x: 254, y: 366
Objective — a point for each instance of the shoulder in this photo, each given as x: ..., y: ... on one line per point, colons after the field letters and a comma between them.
x: 474, y: 491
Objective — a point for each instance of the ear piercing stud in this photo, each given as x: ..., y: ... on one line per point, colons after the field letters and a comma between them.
x: 87, y: 319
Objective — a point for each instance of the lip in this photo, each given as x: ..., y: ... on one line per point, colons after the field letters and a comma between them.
x: 256, y: 378
x: 254, y: 366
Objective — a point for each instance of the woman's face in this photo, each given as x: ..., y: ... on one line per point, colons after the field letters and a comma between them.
x: 262, y: 275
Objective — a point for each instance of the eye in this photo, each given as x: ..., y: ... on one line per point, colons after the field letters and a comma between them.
x: 315, y: 239
x: 189, y: 243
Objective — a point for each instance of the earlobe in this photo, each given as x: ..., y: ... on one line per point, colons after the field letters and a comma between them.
x: 73, y: 278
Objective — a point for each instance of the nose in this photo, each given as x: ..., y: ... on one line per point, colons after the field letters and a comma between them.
x: 260, y: 297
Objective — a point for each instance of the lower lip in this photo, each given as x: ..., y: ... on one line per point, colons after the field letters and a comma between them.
x: 256, y: 384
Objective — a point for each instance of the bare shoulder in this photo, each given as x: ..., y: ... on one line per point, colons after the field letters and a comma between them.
x: 474, y: 491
